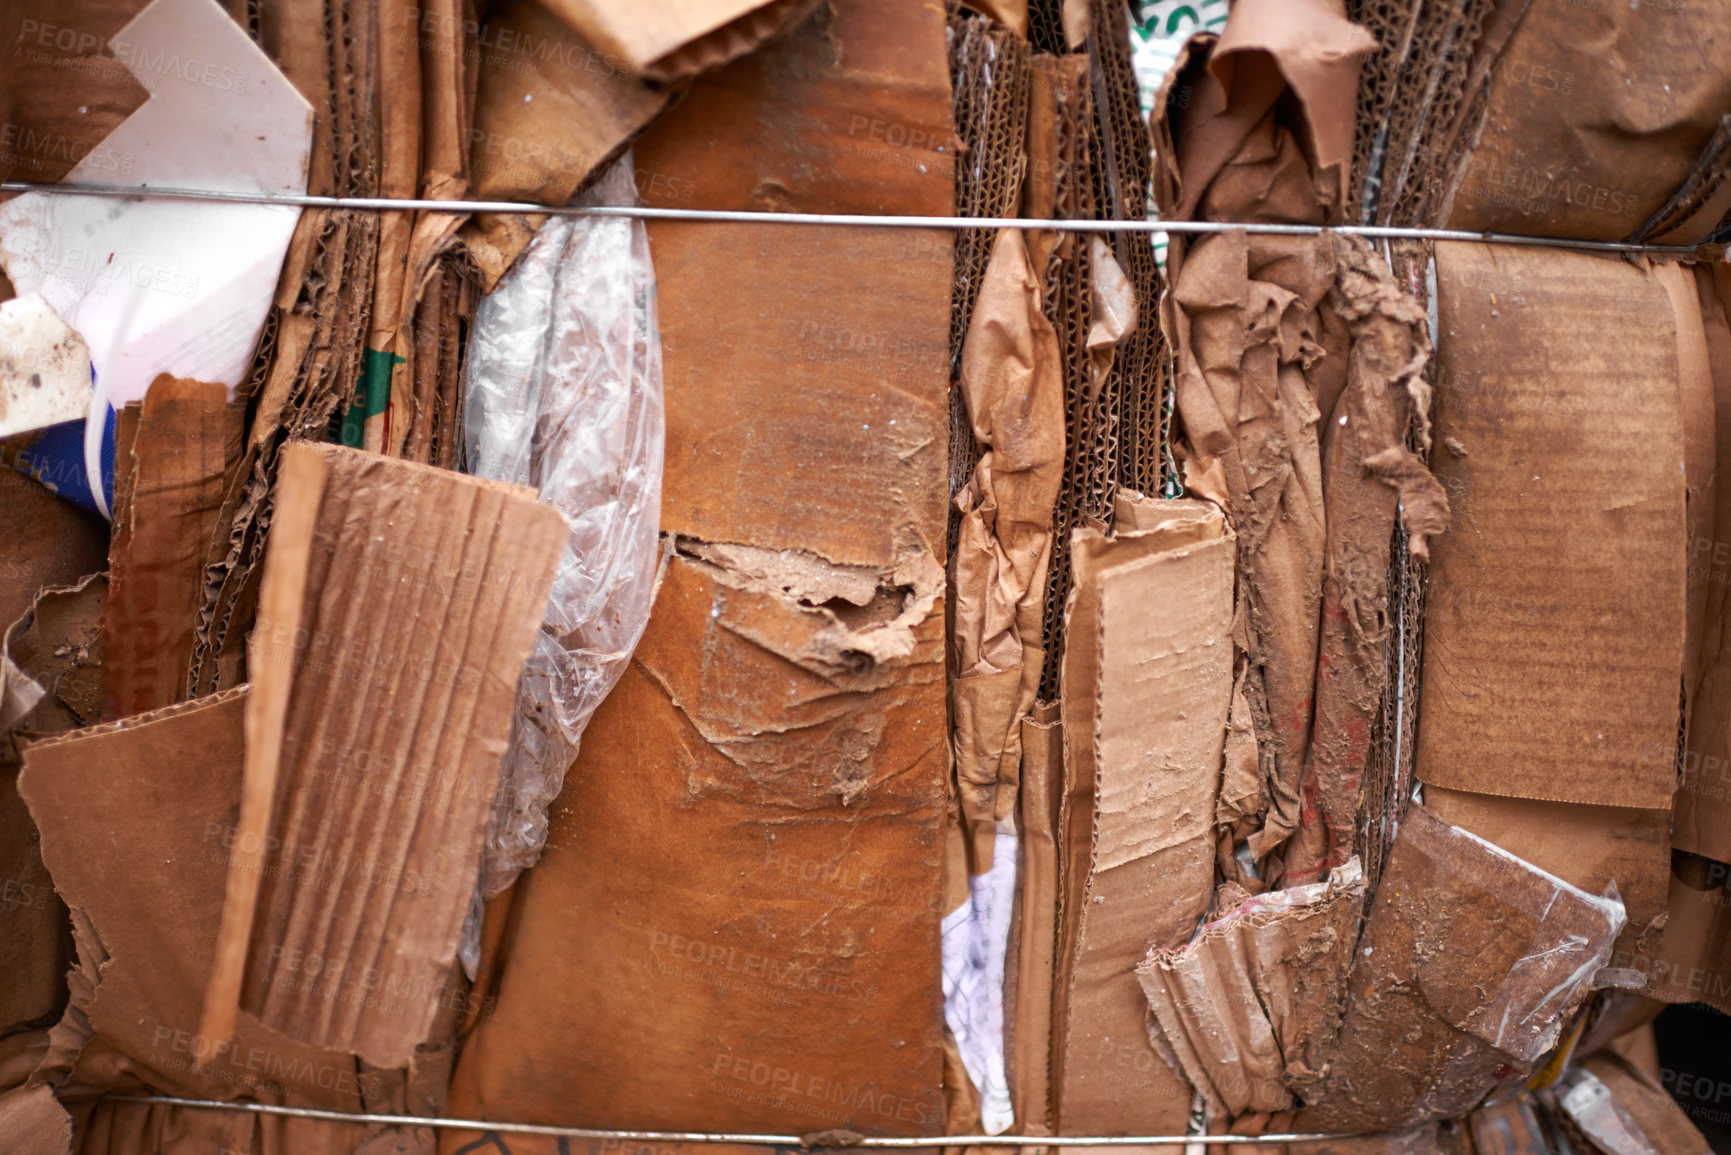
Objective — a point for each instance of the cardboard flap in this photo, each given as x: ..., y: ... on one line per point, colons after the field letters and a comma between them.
x: 398, y: 604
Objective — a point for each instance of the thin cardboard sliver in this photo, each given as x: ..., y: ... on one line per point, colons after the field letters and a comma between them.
x: 302, y: 484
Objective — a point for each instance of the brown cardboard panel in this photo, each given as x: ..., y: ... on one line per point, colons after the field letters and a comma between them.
x: 1249, y: 1008
x: 550, y: 107
x: 1469, y: 965
x: 397, y: 606
x: 1693, y: 962
x: 34, y: 1123
x: 34, y: 944
x: 735, y: 923
x: 1147, y: 684
x: 138, y: 820
x: 850, y: 113
x: 1555, y: 618
x: 44, y: 541
x: 1589, y: 846
x: 1596, y: 113
x: 186, y: 447
x: 784, y: 368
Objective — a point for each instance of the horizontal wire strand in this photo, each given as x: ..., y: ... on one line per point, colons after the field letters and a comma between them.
x: 813, y: 1140
x: 851, y: 220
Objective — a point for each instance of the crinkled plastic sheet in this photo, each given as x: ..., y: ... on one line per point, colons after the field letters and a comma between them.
x: 564, y: 393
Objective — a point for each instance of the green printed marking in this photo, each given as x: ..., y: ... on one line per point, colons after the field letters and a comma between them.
x: 372, y: 394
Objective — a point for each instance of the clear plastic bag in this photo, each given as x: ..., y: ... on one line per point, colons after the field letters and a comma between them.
x: 563, y: 393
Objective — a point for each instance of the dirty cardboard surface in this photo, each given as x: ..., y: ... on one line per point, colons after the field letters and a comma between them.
x: 398, y: 604
x: 755, y: 835
x: 1468, y: 964
x: 1589, y: 846
x: 1554, y: 622
x: 1596, y: 114
x: 1249, y: 1008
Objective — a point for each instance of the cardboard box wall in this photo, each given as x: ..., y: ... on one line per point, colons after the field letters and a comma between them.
x: 752, y: 829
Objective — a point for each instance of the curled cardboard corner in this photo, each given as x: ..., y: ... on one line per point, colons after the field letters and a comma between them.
x: 668, y: 40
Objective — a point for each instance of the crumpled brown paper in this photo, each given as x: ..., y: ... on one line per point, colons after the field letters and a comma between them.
x: 1012, y: 383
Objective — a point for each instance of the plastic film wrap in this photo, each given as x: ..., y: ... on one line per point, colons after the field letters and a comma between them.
x: 564, y: 393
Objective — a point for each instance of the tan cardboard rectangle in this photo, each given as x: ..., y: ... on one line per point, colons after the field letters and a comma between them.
x: 735, y: 924
x: 1555, y: 618
x: 1148, y: 683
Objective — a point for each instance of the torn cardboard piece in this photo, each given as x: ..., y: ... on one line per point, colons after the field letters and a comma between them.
x: 1147, y: 687
x: 183, y: 456
x: 1469, y: 965
x: 397, y: 606
x: 138, y: 821
x: 1013, y: 388
x: 754, y: 830
x: 1554, y: 622
x: 1250, y: 1007
x: 1619, y: 1113
x: 669, y: 39
x: 44, y: 367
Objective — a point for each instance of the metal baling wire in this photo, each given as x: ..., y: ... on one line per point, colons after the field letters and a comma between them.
x: 816, y: 1141
x: 391, y: 204
x: 395, y: 204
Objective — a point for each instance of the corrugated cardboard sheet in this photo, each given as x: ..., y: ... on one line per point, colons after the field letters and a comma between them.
x: 753, y: 827
x: 1249, y: 1008
x: 1147, y: 686
x: 397, y: 606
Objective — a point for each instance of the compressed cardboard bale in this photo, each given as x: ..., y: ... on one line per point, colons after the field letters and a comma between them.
x: 1469, y: 965
x: 398, y: 604
x: 1596, y: 115
x: 1249, y: 1008
x: 735, y: 923
x: 1554, y: 626
x: 1147, y: 686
